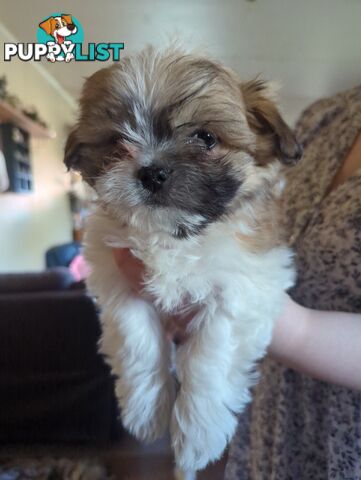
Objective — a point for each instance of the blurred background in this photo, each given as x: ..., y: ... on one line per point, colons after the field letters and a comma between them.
x: 312, y: 47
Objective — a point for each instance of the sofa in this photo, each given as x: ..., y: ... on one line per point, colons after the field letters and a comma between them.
x: 54, y: 386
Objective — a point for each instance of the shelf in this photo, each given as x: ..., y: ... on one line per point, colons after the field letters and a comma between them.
x: 10, y: 114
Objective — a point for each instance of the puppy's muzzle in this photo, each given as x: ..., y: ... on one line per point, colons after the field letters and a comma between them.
x: 153, y: 178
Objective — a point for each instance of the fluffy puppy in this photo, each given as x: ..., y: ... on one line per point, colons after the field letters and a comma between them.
x: 185, y: 160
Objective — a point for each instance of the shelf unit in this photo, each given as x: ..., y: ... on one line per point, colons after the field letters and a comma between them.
x: 16, y: 128
x: 10, y: 114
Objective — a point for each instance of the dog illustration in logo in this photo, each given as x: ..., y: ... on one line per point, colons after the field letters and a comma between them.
x: 60, y: 28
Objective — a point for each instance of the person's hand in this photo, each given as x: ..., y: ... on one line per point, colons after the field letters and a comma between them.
x: 133, y: 269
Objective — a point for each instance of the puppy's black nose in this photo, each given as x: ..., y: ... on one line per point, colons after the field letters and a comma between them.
x: 71, y: 26
x: 153, y: 178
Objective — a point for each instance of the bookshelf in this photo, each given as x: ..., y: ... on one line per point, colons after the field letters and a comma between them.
x: 16, y: 129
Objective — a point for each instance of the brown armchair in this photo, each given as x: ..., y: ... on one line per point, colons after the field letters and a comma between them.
x: 54, y: 386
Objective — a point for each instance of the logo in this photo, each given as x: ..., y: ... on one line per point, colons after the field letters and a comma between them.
x: 60, y: 38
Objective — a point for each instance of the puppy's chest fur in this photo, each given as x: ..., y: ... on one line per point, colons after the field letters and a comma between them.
x: 215, y: 266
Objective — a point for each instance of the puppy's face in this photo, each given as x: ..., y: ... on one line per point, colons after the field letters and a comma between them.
x: 174, y: 142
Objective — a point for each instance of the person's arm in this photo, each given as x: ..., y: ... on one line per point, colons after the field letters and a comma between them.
x: 324, y: 345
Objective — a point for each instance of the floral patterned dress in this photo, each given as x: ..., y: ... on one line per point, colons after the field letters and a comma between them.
x: 298, y: 428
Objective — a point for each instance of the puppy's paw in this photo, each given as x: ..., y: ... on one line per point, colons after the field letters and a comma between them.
x: 146, y: 411
x: 200, y: 432
x: 182, y: 475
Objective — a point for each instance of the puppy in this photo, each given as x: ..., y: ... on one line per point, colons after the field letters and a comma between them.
x: 60, y: 28
x: 185, y: 159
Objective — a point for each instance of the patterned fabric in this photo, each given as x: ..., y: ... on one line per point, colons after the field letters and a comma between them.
x: 298, y: 428
x: 51, y: 468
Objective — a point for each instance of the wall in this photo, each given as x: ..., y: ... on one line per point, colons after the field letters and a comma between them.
x: 31, y: 223
x: 311, y: 46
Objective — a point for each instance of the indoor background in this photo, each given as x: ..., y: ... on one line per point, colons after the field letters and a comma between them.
x: 312, y: 47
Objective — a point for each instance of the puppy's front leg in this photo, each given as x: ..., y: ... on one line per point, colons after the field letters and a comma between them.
x: 203, y: 419
x: 136, y: 348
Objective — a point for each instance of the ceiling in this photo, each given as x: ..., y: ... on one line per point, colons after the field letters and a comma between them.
x: 311, y: 46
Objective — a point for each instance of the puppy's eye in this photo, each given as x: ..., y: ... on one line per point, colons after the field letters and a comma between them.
x: 114, y: 140
x: 57, y: 25
x: 207, y: 138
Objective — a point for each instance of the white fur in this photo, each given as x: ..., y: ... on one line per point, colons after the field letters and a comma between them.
x: 184, y: 475
x: 238, y: 295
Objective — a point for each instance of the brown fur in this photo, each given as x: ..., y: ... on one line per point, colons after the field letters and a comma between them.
x: 274, y: 138
x: 267, y: 230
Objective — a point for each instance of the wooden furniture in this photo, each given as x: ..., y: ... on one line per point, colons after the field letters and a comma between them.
x: 10, y: 114
x: 15, y: 146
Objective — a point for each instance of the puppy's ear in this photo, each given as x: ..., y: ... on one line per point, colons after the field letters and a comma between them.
x: 275, y: 138
x: 79, y: 156
x: 67, y: 18
x: 73, y: 151
x: 46, y: 25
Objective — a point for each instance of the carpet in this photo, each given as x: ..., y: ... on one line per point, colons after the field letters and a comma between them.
x: 52, y: 469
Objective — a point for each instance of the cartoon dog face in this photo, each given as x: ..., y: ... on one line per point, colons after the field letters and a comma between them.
x: 59, y: 27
